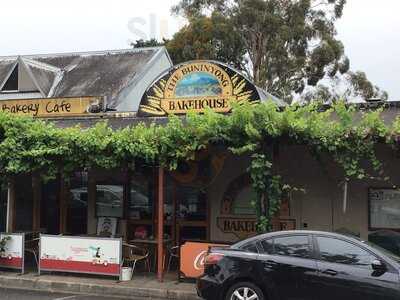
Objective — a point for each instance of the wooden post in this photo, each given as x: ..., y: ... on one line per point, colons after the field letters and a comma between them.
x: 160, y: 225
x: 11, y: 206
x: 37, y: 198
x: 174, y: 219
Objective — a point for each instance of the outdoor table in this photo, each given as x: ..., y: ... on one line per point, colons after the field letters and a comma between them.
x: 150, y: 243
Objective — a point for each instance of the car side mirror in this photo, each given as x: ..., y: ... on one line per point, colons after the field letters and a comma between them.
x: 378, y: 265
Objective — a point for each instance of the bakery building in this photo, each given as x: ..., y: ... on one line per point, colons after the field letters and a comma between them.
x: 206, y: 200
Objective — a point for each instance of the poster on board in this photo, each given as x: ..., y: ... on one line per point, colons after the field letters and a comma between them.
x: 92, y: 255
x: 12, y: 251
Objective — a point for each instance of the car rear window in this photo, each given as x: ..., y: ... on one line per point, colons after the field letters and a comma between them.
x: 294, y: 246
x: 250, y: 247
x: 267, y: 246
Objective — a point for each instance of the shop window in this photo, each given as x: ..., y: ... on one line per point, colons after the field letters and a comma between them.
x: 192, y: 204
x: 193, y: 233
x: 242, y: 204
x: 109, y: 200
x: 141, y: 200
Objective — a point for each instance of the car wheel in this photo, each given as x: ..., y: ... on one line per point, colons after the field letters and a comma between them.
x: 244, y: 291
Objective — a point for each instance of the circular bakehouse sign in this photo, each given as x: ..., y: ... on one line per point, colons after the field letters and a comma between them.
x: 197, y: 86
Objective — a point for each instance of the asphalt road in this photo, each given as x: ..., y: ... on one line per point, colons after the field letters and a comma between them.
x: 11, y: 294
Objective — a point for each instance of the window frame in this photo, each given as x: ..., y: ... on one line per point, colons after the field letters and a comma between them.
x: 273, y: 238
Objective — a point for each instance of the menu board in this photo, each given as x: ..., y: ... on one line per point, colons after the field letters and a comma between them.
x: 12, y: 254
x: 80, y: 254
x: 384, y: 208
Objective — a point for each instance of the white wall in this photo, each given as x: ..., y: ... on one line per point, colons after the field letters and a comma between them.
x: 233, y: 167
x: 321, y: 206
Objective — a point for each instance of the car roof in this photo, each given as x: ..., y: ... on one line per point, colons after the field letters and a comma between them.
x: 348, y: 238
x: 294, y: 232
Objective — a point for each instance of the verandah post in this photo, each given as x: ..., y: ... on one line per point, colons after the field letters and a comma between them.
x: 160, y: 225
x: 11, y: 206
x: 37, y: 198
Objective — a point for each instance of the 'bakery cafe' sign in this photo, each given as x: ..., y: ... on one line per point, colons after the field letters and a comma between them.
x: 197, y: 86
x: 52, y: 107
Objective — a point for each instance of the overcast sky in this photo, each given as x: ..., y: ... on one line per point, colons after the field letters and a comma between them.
x: 369, y: 30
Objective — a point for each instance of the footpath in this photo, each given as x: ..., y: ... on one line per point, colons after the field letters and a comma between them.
x: 140, y: 287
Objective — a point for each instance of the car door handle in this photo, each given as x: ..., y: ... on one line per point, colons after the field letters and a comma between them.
x: 330, y: 272
x: 270, y: 264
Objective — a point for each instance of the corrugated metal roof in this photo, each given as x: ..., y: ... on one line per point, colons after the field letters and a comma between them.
x: 97, y: 73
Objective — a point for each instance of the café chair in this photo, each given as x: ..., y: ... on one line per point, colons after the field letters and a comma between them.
x: 133, y: 254
x: 173, y: 253
x: 32, y: 247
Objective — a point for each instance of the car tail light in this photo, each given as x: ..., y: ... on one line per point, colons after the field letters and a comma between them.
x: 213, y: 258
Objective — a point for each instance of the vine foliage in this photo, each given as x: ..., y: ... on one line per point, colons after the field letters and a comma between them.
x: 345, y: 134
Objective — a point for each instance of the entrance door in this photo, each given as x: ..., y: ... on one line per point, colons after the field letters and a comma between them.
x: 50, y: 208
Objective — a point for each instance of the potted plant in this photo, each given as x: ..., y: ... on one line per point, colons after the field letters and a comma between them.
x: 3, y: 243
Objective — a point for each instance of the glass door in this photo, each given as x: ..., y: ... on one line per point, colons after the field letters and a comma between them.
x: 192, y: 214
x: 50, y: 207
x: 77, y: 204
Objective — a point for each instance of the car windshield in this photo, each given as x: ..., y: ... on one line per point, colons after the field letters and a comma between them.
x: 384, y: 251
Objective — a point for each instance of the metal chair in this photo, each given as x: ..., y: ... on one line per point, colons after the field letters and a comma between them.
x: 173, y: 253
x: 32, y: 246
x: 133, y: 254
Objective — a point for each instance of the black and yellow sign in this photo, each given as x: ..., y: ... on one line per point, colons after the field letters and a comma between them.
x: 197, y: 86
x: 52, y: 107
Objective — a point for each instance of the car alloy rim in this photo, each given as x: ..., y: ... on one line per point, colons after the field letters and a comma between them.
x: 244, y: 293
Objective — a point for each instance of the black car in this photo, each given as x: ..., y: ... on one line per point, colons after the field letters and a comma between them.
x: 297, y: 265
